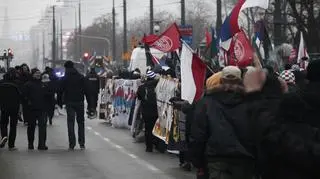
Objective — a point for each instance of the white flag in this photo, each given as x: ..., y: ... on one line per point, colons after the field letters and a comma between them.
x: 264, y: 4
x: 302, y: 49
x: 188, y: 86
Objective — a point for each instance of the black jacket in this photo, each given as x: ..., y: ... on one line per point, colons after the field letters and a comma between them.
x: 220, y: 128
x: 73, y: 87
x: 147, y: 95
x: 292, y: 144
x: 34, y: 92
x: 10, y: 94
x: 93, y: 83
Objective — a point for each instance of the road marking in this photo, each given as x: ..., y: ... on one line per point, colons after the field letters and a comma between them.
x: 89, y: 128
x: 124, y: 151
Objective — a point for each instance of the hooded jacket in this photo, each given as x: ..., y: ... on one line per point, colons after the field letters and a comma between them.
x: 220, y: 128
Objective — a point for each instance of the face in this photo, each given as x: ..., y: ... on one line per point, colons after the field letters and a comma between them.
x: 37, y: 75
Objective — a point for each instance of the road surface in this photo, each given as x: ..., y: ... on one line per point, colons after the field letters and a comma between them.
x: 110, y: 154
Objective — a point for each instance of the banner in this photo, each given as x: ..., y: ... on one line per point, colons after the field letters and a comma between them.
x: 186, y: 33
x: 123, y: 99
x: 165, y: 90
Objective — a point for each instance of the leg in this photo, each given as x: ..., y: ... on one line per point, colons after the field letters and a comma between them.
x: 31, y: 129
x: 148, y: 134
x: 80, y: 121
x: 26, y: 113
x: 42, y: 126
x: 13, y: 127
x: 4, y: 127
x: 4, y: 123
x: 70, y: 120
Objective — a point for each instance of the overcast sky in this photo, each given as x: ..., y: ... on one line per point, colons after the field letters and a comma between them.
x: 25, y: 13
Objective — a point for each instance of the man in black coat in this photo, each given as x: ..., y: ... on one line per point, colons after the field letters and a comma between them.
x: 147, y: 95
x: 93, y: 83
x: 10, y: 100
x: 74, y: 91
x: 34, y: 93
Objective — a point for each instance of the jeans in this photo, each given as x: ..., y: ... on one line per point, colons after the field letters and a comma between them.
x: 75, y: 112
x: 42, y: 127
x: 12, y: 116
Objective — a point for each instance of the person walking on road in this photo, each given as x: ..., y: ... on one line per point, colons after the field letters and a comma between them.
x: 73, y: 89
x: 92, y: 80
x: 10, y: 99
x: 34, y: 92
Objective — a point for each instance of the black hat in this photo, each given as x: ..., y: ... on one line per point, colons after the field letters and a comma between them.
x: 313, y: 71
x: 68, y: 64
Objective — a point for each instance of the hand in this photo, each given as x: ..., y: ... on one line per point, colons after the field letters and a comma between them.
x: 254, y: 80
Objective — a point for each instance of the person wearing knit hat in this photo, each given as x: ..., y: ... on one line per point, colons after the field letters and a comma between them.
x: 231, y: 73
x: 150, y: 75
x: 288, y: 77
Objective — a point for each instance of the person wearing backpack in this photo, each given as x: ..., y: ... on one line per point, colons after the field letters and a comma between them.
x: 147, y: 95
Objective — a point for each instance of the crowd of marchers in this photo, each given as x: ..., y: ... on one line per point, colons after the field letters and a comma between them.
x: 250, y: 123
x: 31, y: 96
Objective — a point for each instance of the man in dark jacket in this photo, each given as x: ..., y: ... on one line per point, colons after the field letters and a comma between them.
x: 220, y: 130
x: 292, y: 143
x: 34, y: 92
x: 74, y: 90
x: 25, y: 77
x: 147, y: 95
x: 93, y: 83
x: 51, y: 89
x: 10, y: 99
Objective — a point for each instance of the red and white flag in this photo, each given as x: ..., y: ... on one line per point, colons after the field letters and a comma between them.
x: 241, y: 51
x: 193, y: 72
x: 168, y: 41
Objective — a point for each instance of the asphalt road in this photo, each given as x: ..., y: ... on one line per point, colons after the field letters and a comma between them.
x: 110, y: 154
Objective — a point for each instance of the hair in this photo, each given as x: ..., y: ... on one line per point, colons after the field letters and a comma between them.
x: 68, y: 64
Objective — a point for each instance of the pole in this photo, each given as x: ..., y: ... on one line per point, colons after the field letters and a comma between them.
x: 219, y: 17
x: 75, y: 56
x: 125, y: 43
x: 183, y: 12
x: 114, y: 32
x: 53, y: 34
x: 277, y: 23
x: 80, y: 40
x: 43, y: 46
x: 61, y: 39
x: 151, y: 16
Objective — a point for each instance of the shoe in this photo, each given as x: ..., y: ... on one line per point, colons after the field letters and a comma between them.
x: 186, y: 167
x: 31, y: 147
x: 82, y: 147
x: 71, y: 148
x: 13, y: 148
x: 43, y: 148
x: 149, y: 150
x: 3, y: 142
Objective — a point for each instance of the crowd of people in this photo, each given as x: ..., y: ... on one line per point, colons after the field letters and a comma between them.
x: 34, y: 94
x: 250, y: 123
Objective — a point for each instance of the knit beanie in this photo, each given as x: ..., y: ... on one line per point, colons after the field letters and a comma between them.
x: 214, y: 80
x: 151, y: 74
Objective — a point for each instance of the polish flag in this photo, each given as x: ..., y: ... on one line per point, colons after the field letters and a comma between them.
x: 193, y: 72
x: 302, y: 53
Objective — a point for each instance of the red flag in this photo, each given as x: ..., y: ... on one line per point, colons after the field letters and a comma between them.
x: 169, y: 41
x: 199, y: 76
x: 241, y: 51
x: 150, y: 39
x: 208, y: 38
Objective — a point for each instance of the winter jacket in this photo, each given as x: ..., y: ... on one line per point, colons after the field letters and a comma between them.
x: 292, y: 144
x: 10, y: 94
x: 220, y: 129
x: 92, y: 81
x: 34, y: 92
x: 50, y: 90
x: 147, y: 95
x: 73, y: 87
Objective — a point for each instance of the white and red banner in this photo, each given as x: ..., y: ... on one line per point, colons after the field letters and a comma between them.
x: 193, y: 72
x: 168, y: 41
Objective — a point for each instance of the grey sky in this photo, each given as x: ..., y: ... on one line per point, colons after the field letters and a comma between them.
x: 25, y: 13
